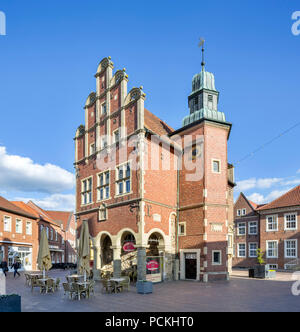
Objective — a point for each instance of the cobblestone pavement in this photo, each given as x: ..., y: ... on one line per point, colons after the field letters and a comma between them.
x: 238, y: 294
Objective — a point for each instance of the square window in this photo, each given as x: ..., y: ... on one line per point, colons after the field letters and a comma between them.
x: 253, y: 249
x: 242, y: 250
x: 271, y: 223
x: 290, y: 221
x: 290, y: 248
x: 216, y: 257
x: 252, y: 228
x: 241, y: 228
x: 272, y: 249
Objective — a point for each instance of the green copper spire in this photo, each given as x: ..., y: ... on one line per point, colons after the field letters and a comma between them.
x: 203, y: 101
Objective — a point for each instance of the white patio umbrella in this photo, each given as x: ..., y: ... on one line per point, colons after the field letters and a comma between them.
x: 84, y: 250
x: 44, y: 256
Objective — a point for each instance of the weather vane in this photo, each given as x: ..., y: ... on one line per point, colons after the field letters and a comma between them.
x: 201, y: 44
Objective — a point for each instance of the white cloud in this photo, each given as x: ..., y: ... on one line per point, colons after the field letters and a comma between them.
x: 261, y: 199
x: 256, y: 198
x: 262, y: 183
x: 59, y: 202
x: 22, y: 174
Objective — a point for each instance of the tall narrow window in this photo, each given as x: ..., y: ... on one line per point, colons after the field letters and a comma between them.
x: 103, y: 108
x: 28, y: 228
x: 7, y: 224
x: 19, y: 226
x: 123, y: 182
x: 86, y: 191
x: 103, y: 186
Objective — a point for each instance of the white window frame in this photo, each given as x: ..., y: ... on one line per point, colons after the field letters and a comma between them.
x: 287, y: 221
x: 250, y: 250
x: 244, y: 211
x: 212, y: 257
x: 267, y: 248
x: 286, y: 249
x: 124, y: 179
x: 7, y: 229
x: 238, y: 229
x: 89, y: 190
x: 249, y: 227
x: 28, y: 230
x: 179, y: 232
x: 267, y: 223
x: 103, y: 186
x: 238, y: 250
x: 19, y: 223
x: 212, y: 165
x: 238, y: 212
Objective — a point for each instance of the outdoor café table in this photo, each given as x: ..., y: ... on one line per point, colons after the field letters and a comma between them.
x: 76, y: 277
x: 117, y: 281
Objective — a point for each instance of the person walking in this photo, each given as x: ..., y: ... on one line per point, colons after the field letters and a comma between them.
x: 16, y: 267
x: 4, y: 267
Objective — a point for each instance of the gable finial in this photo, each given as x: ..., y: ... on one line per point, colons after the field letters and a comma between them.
x: 201, y: 44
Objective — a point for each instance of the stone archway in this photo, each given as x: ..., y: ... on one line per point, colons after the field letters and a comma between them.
x: 156, y: 244
x: 128, y: 252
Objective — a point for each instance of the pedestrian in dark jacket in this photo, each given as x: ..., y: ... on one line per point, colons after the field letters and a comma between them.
x: 16, y: 267
x: 4, y: 267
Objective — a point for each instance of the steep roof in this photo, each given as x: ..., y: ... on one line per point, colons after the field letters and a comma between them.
x: 291, y: 198
x: 156, y: 125
x: 10, y: 207
x: 26, y: 207
x: 42, y: 213
x: 62, y: 217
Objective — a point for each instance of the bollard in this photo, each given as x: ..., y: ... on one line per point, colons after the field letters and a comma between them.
x: 2, y: 283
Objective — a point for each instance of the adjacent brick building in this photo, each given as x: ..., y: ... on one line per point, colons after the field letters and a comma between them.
x: 277, y: 231
x: 18, y: 235
x: 168, y: 219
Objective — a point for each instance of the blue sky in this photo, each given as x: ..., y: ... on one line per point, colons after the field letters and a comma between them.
x: 51, y: 52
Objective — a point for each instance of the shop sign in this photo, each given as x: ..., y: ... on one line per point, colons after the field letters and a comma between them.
x: 152, y: 265
x: 128, y: 247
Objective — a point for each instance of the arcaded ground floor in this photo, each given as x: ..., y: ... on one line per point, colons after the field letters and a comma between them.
x: 238, y: 294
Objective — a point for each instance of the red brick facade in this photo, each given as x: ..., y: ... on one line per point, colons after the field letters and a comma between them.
x: 278, y: 230
x: 18, y: 241
x: 156, y: 200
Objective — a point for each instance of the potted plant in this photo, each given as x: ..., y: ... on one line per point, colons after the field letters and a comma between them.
x: 260, y: 270
x: 144, y: 287
x: 10, y: 303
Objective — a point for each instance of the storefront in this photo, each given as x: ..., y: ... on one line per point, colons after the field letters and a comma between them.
x: 57, y: 255
x: 22, y: 254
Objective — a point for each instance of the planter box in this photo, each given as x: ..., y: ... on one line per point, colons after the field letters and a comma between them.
x: 260, y: 271
x: 11, y: 303
x: 144, y: 287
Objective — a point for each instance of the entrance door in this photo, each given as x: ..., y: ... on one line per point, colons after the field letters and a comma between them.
x: 191, y: 266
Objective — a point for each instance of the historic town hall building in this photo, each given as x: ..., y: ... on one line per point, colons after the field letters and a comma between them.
x: 154, y: 197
